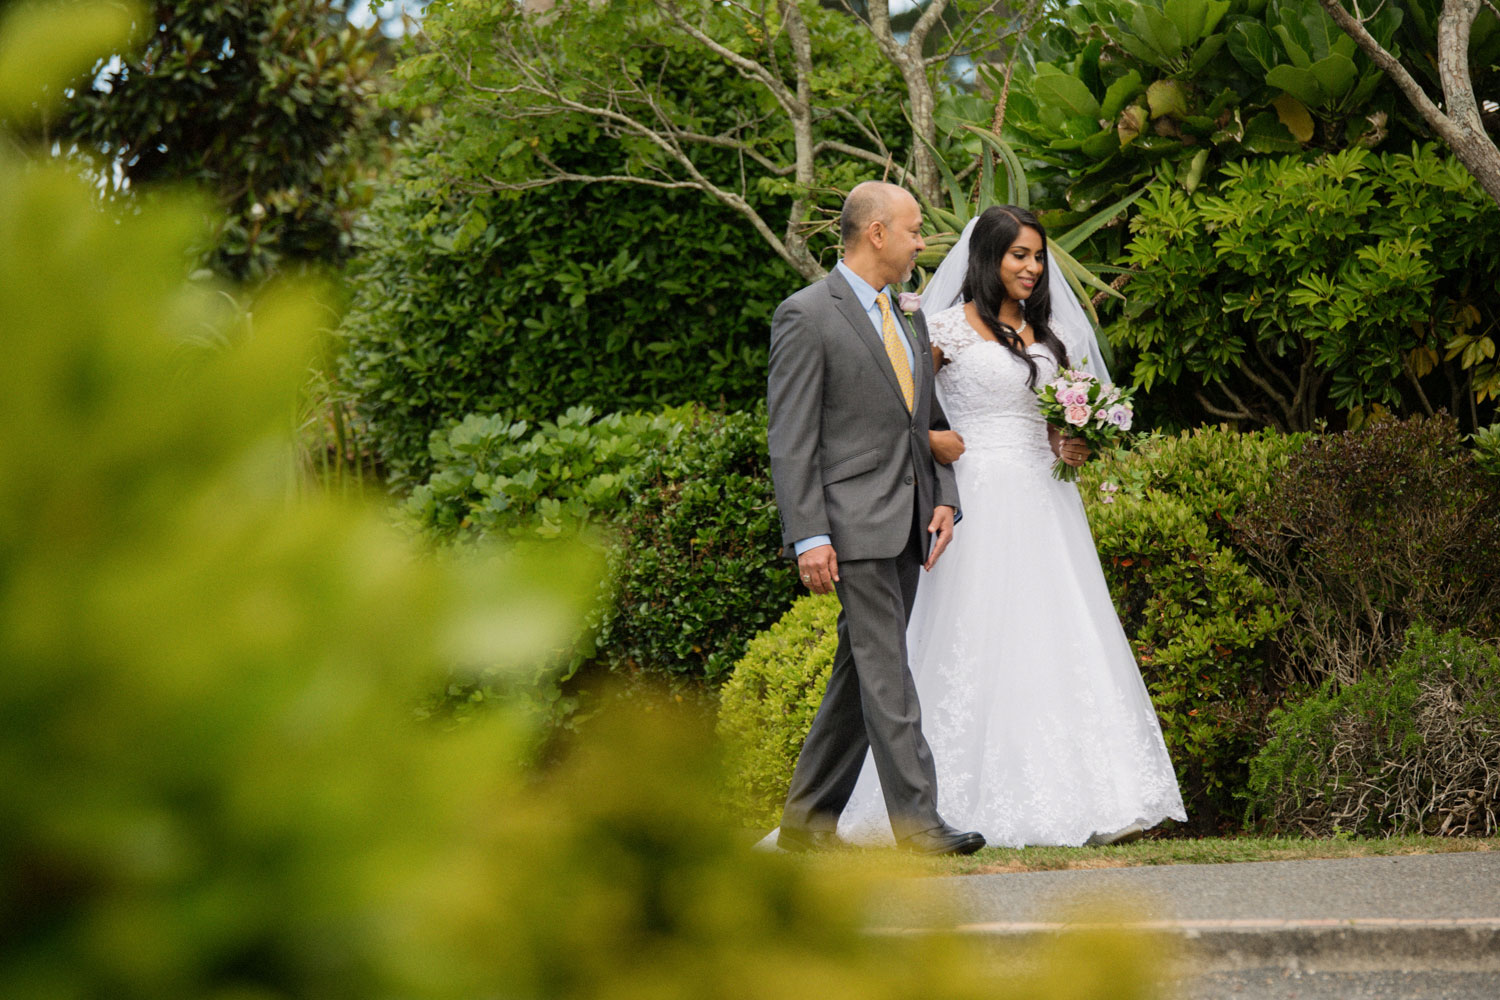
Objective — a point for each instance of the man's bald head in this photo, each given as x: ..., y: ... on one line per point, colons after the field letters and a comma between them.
x: 871, y: 201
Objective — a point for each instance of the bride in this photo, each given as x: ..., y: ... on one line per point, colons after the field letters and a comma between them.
x: 1040, y: 725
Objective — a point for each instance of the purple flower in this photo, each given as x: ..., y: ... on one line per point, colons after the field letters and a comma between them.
x: 909, y: 302
x: 1121, y: 417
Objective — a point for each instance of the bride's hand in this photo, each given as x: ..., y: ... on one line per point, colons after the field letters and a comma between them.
x: 946, y: 445
x: 1071, y: 450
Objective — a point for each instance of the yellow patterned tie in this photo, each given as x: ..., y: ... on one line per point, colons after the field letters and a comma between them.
x: 895, y: 350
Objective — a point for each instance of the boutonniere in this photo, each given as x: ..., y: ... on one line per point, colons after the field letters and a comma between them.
x: 909, y: 302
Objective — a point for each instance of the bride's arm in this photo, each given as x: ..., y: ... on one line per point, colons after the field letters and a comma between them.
x: 946, y: 445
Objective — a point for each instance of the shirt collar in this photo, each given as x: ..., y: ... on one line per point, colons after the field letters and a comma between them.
x: 862, y: 288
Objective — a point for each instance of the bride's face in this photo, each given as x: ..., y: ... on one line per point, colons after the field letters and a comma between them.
x: 1022, y: 266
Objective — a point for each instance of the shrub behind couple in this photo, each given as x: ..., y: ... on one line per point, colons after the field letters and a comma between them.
x: 1038, y: 726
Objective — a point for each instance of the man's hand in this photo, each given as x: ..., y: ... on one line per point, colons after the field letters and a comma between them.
x: 819, y: 567
x: 942, y: 524
x: 946, y: 445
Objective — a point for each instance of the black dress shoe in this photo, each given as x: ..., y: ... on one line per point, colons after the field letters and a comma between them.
x: 809, y: 840
x: 942, y: 840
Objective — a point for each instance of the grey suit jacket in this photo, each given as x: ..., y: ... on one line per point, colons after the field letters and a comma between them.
x: 847, y: 458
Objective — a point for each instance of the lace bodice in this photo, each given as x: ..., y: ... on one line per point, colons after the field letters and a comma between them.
x: 984, y: 392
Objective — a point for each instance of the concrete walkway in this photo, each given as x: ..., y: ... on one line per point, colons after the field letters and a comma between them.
x: 1268, y: 923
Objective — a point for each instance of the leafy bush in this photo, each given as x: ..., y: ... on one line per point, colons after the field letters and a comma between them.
x: 616, y: 298
x: 1486, y: 448
x: 698, y: 569
x: 494, y: 478
x: 1366, y: 533
x: 1200, y: 621
x: 1294, y: 289
x: 1412, y: 747
x: 767, y: 706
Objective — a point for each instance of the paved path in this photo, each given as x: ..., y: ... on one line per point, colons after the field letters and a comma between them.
x: 1425, y: 926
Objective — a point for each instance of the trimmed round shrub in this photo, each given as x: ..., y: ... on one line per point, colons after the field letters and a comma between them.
x: 767, y: 706
x: 613, y: 297
x: 1366, y: 533
x: 1410, y: 748
x: 698, y: 568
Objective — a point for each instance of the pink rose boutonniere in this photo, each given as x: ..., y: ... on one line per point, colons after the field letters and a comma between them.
x: 909, y: 302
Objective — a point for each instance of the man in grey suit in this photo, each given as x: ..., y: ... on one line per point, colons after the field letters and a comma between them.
x: 863, y: 506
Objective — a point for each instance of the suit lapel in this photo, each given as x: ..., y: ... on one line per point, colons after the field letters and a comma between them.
x: 859, y: 325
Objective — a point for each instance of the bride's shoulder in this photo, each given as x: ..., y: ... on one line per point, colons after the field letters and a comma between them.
x: 950, y: 331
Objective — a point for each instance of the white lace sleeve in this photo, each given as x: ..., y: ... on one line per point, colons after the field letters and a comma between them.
x: 950, y: 332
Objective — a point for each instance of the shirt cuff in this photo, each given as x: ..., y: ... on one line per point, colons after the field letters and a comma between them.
x: 811, y: 543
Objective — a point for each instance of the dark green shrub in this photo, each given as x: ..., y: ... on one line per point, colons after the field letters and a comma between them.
x: 1412, y: 747
x: 698, y: 569
x: 1366, y: 533
x: 616, y: 298
x: 767, y: 706
x: 494, y: 477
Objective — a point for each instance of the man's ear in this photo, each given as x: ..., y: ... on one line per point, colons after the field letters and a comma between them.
x: 876, y: 234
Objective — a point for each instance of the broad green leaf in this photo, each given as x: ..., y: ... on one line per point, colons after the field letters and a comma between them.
x: 1158, y: 30
x: 1187, y: 17
x: 1019, y: 190
x: 1264, y: 134
x: 1293, y: 114
x: 1073, y: 237
x: 1252, y: 47
x: 1102, y: 145
x: 1120, y: 93
x: 1206, y: 52
x: 1336, y: 74
x: 1300, y: 83
x: 1166, y: 97
x: 1068, y: 94
x: 1294, y: 45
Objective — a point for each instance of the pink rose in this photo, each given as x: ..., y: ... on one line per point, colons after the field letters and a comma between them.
x: 1073, y: 395
x: 1077, y: 415
x: 909, y: 302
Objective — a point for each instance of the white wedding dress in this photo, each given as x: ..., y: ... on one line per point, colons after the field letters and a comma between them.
x: 1039, y: 722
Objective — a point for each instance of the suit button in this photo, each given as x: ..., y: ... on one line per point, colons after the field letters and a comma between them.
x: 908, y: 480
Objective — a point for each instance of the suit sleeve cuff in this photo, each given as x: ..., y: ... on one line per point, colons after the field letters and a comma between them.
x: 811, y: 543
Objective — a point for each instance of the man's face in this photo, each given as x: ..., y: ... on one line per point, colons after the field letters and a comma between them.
x: 903, y: 239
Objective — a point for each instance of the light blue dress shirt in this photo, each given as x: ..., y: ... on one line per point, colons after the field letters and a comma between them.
x: 866, y: 294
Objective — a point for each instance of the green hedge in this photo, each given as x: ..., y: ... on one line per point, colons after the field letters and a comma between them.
x: 611, y: 297
x: 1413, y: 747
x: 698, y: 569
x: 1199, y: 620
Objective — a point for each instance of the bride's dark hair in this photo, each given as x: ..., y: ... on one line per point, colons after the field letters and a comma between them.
x: 993, y: 235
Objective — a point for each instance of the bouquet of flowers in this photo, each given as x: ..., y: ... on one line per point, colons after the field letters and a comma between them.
x: 1081, y: 406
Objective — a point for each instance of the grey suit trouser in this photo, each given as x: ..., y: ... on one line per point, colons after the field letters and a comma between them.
x: 871, y: 703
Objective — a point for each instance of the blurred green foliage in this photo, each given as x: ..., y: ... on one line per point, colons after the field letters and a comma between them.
x: 269, y: 105
x: 1292, y: 290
